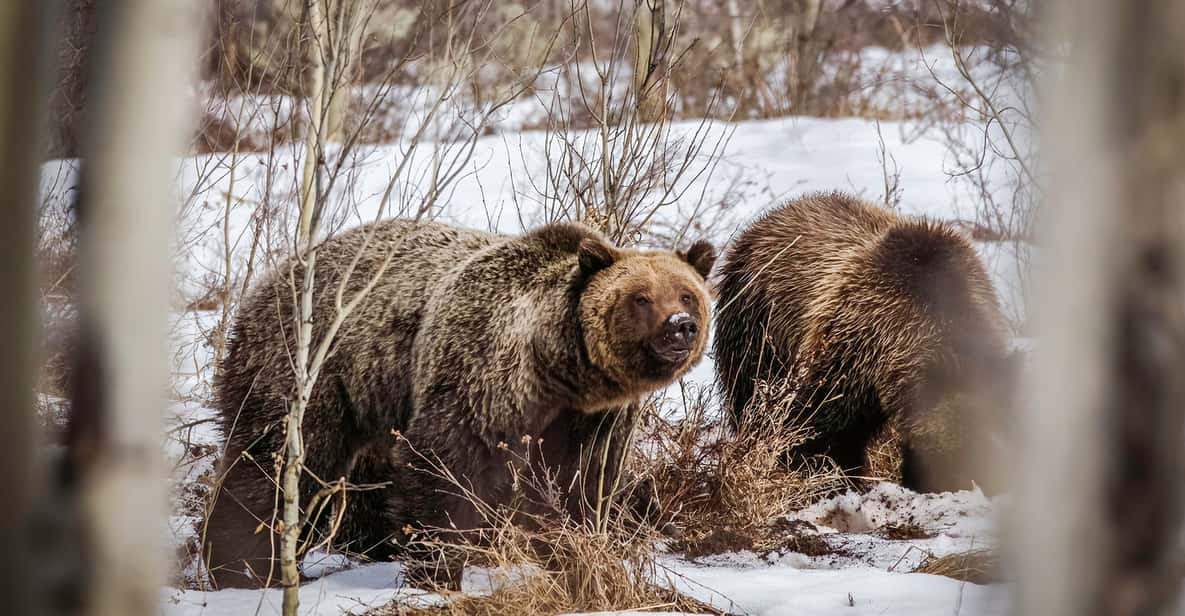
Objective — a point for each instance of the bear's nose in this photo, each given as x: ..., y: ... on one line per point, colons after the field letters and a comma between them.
x: 681, y: 328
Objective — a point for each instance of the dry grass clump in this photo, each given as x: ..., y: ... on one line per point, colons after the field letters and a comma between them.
x: 712, y: 490
x: 524, y: 600
x: 884, y: 456
x: 567, y: 568
x: 981, y: 566
x: 725, y: 491
x: 543, y: 560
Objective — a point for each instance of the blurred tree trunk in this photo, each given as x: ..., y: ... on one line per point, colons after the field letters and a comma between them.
x: 1100, y: 502
x: 23, y: 39
x: 145, y: 52
x: 67, y: 103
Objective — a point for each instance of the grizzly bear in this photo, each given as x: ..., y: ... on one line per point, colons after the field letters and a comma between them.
x: 467, y: 344
x: 851, y: 319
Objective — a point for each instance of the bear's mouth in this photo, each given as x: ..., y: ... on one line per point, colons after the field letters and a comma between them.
x: 671, y: 354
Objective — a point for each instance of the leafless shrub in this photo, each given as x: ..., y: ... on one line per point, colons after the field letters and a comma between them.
x: 632, y: 162
x: 985, y: 118
x: 707, y: 479
x: 890, y: 173
x: 545, y: 560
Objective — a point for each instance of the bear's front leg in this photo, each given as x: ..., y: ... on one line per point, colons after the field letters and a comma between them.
x: 432, y: 510
x: 605, y: 440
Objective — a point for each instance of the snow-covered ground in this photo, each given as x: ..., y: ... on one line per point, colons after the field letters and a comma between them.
x: 782, y: 590
x: 757, y: 164
x: 867, y: 573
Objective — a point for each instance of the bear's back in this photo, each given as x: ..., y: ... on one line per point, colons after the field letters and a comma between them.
x: 401, y: 260
x: 883, y: 292
x: 791, y: 250
x: 774, y: 270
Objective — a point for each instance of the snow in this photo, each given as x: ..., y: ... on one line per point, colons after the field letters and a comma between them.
x: 787, y: 591
x: 954, y: 522
x: 355, y: 589
x: 344, y: 592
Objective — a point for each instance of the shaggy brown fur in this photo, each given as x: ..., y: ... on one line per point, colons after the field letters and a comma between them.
x: 469, y: 341
x: 874, y: 318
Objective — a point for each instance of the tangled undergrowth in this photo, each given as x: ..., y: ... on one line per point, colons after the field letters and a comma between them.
x: 725, y: 489
x: 714, y: 490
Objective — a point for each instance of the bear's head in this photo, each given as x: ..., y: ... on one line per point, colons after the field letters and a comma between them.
x: 644, y: 314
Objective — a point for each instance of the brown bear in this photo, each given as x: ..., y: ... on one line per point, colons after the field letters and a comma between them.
x: 857, y: 318
x: 467, y: 342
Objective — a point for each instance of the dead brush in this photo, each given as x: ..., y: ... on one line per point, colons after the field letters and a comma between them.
x: 725, y: 491
x: 884, y: 456
x: 543, y: 560
x: 564, y: 567
x: 980, y: 566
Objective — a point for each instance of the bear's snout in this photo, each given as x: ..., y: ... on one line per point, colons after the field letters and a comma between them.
x: 678, y: 335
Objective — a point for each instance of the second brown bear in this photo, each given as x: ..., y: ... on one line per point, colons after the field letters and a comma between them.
x: 850, y: 318
x: 467, y: 344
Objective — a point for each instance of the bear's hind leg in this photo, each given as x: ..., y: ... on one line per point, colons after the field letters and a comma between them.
x: 365, y: 529
x: 926, y: 471
x: 240, y: 548
x: 238, y: 544
x: 846, y: 448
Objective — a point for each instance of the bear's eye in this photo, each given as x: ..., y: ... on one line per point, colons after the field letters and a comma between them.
x: 641, y: 300
x: 686, y: 299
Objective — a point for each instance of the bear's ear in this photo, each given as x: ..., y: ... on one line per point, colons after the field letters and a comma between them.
x: 700, y: 256
x: 594, y: 255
